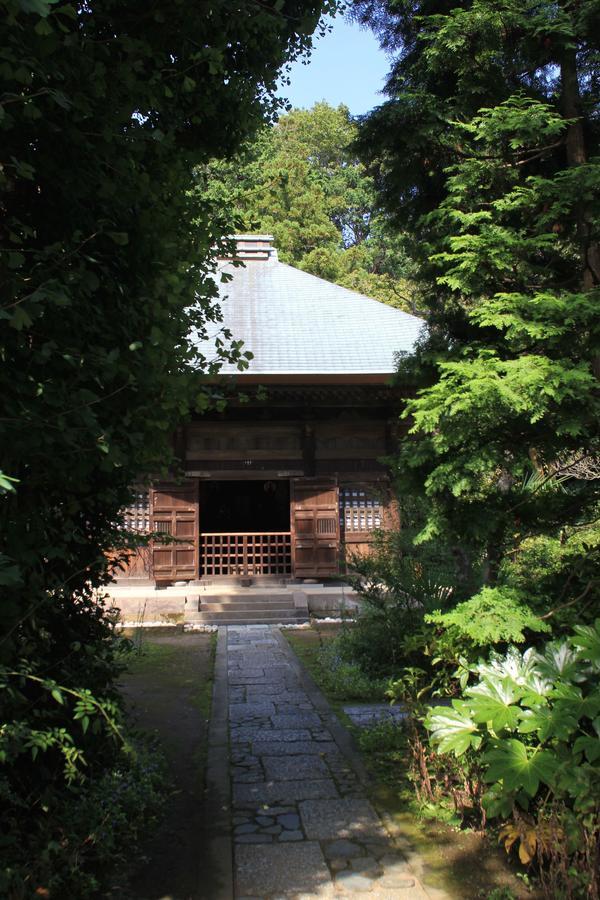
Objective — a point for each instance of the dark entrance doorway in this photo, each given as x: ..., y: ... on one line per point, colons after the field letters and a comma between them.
x: 235, y: 506
x: 245, y: 528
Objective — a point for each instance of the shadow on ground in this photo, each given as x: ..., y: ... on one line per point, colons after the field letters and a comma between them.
x: 168, y: 690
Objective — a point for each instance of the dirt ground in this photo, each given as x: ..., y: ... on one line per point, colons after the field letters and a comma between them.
x: 168, y: 688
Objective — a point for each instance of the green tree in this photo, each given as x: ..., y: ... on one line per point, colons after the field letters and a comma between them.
x: 105, y: 270
x: 488, y: 147
x: 302, y: 181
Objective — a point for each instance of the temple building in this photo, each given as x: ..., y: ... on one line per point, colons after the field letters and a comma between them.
x: 290, y: 479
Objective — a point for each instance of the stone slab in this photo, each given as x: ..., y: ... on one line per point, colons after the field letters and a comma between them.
x: 296, y: 720
x: 289, y: 768
x: 240, y: 711
x: 280, y: 696
x: 266, y: 690
x: 248, y: 733
x: 286, y: 836
x: 342, y: 849
x: 332, y: 819
x: 291, y: 870
x: 283, y: 792
x: 354, y: 882
x: 270, y: 747
x: 253, y: 672
x: 366, y: 715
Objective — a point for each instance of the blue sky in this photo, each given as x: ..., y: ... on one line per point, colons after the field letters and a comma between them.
x: 346, y: 66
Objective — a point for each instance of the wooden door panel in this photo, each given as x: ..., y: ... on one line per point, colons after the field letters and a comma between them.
x: 315, y: 527
x: 174, y: 511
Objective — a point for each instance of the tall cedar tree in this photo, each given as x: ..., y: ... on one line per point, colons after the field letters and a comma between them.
x: 487, y: 150
x: 302, y: 181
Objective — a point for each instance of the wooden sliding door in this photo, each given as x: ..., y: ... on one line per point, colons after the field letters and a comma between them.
x: 315, y: 527
x: 174, y: 511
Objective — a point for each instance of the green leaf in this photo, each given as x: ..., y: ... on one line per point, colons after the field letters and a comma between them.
x: 549, y: 722
x: 452, y: 729
x: 494, y: 702
x: 56, y: 693
x: 559, y: 662
x: 520, y: 767
x: 118, y: 237
x: 15, y: 259
x: 43, y: 28
x: 588, y: 745
x: 40, y: 7
x: 7, y: 484
x: 587, y: 638
x: 20, y: 319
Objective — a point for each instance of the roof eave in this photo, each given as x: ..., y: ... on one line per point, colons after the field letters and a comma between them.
x: 308, y: 378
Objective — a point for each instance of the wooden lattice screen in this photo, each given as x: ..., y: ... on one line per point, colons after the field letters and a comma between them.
x: 269, y: 553
x: 136, y: 517
x: 360, y: 511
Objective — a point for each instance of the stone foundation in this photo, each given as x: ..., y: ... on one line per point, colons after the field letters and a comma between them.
x: 177, y: 605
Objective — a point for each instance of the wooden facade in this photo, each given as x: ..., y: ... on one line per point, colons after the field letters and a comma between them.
x: 289, y: 485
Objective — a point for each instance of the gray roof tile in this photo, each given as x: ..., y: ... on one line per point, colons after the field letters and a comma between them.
x: 296, y: 323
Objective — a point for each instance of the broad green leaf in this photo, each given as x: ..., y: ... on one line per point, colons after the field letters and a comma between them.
x: 40, y: 7
x: 549, y: 722
x: 20, y: 319
x: 588, y: 745
x: 494, y: 701
x: 558, y: 662
x: 587, y: 638
x: 453, y: 729
x: 519, y: 767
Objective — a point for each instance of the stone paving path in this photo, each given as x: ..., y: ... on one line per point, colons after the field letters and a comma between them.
x: 302, y: 826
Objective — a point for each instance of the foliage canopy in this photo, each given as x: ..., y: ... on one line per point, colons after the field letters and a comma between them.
x: 302, y: 181
x: 488, y: 146
x: 105, y: 269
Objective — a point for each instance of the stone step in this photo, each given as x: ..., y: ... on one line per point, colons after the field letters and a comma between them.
x: 255, y: 620
x: 259, y: 603
x: 247, y: 614
x: 246, y: 596
x: 249, y: 581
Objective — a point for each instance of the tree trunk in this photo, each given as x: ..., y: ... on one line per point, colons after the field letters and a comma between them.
x: 577, y: 156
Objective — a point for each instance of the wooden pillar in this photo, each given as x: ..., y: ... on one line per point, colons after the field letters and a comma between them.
x: 308, y: 448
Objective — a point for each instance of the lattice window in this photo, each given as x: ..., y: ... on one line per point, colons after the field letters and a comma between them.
x: 136, y: 517
x: 360, y: 510
x: 326, y: 526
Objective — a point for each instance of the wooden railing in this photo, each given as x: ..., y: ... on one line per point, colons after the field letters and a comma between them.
x: 246, y: 553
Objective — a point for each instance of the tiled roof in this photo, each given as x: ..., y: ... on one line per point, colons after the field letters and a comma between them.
x: 297, y: 324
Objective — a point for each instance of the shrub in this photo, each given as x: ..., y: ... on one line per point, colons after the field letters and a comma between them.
x: 345, y: 679
x: 557, y: 572
x: 399, y: 583
x: 84, y: 835
x: 385, y: 736
x: 532, y: 725
x: 495, y: 615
